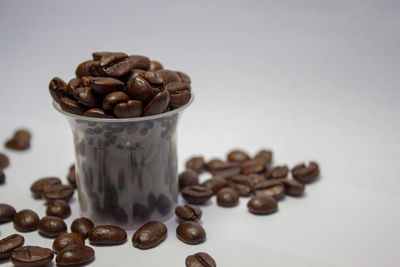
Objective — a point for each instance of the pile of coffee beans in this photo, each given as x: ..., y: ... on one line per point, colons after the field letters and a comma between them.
x: 115, y: 85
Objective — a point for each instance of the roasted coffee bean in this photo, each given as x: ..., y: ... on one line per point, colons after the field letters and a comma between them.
x: 227, y: 197
x: 213, y: 164
x: 123, y: 67
x: 130, y: 109
x: 188, y: 177
x: 242, y: 185
x: 8, y: 244
x: 293, y: 188
x: 215, y: 183
x: 20, y: 140
x: 183, y: 77
x: 200, y: 259
x: 58, y: 89
x: 226, y: 169
x: 262, y: 205
x: 59, y: 208
x: 95, y: 113
x: 107, y: 58
x: 58, y: 191
x: 73, y: 84
x: 107, y: 235
x: 75, y: 255
x: 83, y: 68
x: 305, y: 174
x: 71, y: 106
x: 51, y: 226
x: 277, y: 172
x: 195, y: 163
x: 272, y: 188
x: 4, y: 161
x: 179, y: 93
x: 164, y: 204
x: 191, y: 233
x: 31, y: 256
x: 38, y: 186
x: 167, y: 76
x: 26, y: 220
x: 71, y: 178
x: 155, y: 65
x: 81, y: 226
x: 113, y: 99
x: 2, y: 177
x: 264, y: 155
x: 196, y: 194
x: 140, y: 212
x: 158, y: 104
x: 188, y: 212
x: 7, y: 213
x: 253, y: 166
x: 66, y: 240
x: 86, y: 97
x: 256, y: 178
x: 149, y: 235
x: 153, y: 78
x: 237, y: 156
x: 105, y: 85
x: 139, y: 88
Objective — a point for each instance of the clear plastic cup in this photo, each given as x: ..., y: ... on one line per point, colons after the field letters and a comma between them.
x: 126, y: 168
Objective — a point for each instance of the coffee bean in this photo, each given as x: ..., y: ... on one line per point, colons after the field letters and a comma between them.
x: 38, y: 186
x: 253, y: 166
x: 122, y: 67
x: 66, y: 240
x: 226, y: 169
x: 179, y: 93
x: 215, y: 183
x: 256, y: 178
x: 155, y: 65
x: 272, y: 188
x: 262, y: 205
x: 140, y: 212
x: 305, y: 174
x: 130, y: 109
x: 4, y: 161
x: 51, y: 226
x: 59, y: 208
x: 86, y: 97
x: 167, y: 76
x: 164, y: 204
x: 196, y: 194
x: 188, y: 177
x: 293, y: 188
x: 191, y: 233
x: 105, y: 85
x: 83, y: 68
x: 264, y: 155
x: 58, y: 191
x: 188, y: 212
x: 153, y: 78
x: 213, y: 164
x: 73, y: 84
x: 200, y: 259
x: 20, y: 140
x: 95, y: 113
x: 139, y: 88
x: 2, y: 177
x: 183, y: 77
x: 8, y: 244
x: 237, y: 156
x: 107, y: 235
x: 195, y: 163
x: 71, y: 106
x: 31, y: 256
x: 26, y: 220
x: 113, y: 99
x: 149, y: 235
x: 81, y: 226
x: 107, y: 58
x: 158, y: 104
x: 242, y: 185
x: 58, y: 89
x: 75, y: 255
x: 277, y: 172
x: 7, y: 213
x: 71, y: 178
x: 227, y: 197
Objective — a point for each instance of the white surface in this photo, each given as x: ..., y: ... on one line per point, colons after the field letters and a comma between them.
x: 309, y: 79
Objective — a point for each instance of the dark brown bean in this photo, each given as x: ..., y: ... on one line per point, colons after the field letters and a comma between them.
x: 149, y: 235
x: 188, y: 212
x: 256, y: 178
x: 237, y: 156
x: 107, y: 235
x: 51, y: 226
x: 31, y: 256
x: 200, y: 259
x: 183, y: 77
x: 4, y: 161
x: 293, y: 188
x: 71, y: 106
x: 86, y: 97
x: 9, y: 243
x: 215, y: 183
x: 227, y: 197
x: 305, y: 174
x: 130, y: 109
x: 7, y: 213
x: 81, y: 226
x: 155, y: 65
x: 107, y: 58
x: 58, y: 191
x: 272, y: 188
x: 75, y: 255
x: 167, y: 76
x: 196, y: 194
x: 26, y: 220
x: 59, y: 208
x: 264, y: 155
x: 164, y: 204
x: 188, y: 177
x: 113, y: 99
x: 253, y: 166
x: 262, y: 205
x: 213, y: 164
x: 195, y: 163
x: 95, y: 113
x: 20, y: 140
x: 242, y: 185
x: 139, y: 88
x: 71, y: 178
x: 2, y: 177
x: 158, y: 104
x: 105, y: 85
x: 226, y: 169
x: 58, y: 89
x: 191, y: 233
x: 83, y: 68
x: 66, y: 240
x: 277, y: 172
x: 38, y: 186
x: 179, y: 93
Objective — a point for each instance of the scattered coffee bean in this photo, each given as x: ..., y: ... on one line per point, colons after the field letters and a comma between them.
x: 58, y: 191
x: 7, y: 213
x: 293, y: 188
x: 227, y: 197
x: 72, y: 176
x: 200, y: 259
x: 8, y: 244
x: 51, y: 226
x: 59, y: 208
x: 256, y: 178
x: 195, y: 163
x: 264, y: 155
x: 20, y: 140
x: 26, y: 220
x: 31, y: 256
x: 81, y: 226
x: 164, y: 204
x: 107, y: 235
x: 242, y: 184
x: 305, y: 174
x: 237, y: 156
x: 226, y: 169
x: 149, y: 235
x: 66, y: 240
x: 272, y: 188
x: 75, y: 255
x: 188, y: 212
x: 213, y: 164
x: 191, y: 233
x: 4, y: 161
x: 215, y: 183
x: 262, y: 205
x: 253, y: 166
x: 2, y: 177
x: 37, y: 187
x: 187, y: 178
x: 196, y: 194
x: 277, y: 172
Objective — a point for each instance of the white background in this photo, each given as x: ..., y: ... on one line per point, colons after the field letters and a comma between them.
x: 308, y: 79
